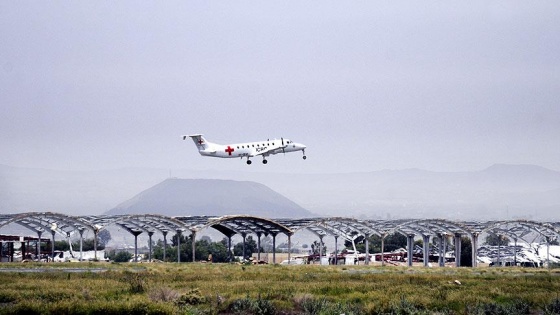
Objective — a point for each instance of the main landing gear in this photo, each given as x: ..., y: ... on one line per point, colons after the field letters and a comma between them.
x: 264, y: 161
x: 249, y: 162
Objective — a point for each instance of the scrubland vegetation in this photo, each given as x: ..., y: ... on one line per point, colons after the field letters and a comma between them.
x: 171, y: 288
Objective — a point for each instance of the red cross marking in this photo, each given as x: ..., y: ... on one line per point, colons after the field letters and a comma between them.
x: 200, y: 141
x: 229, y: 150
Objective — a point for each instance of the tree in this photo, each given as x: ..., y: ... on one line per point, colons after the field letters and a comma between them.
x: 122, y: 256
x: 497, y: 240
x: 316, y: 246
x: 104, y: 236
x: 250, y: 247
x: 61, y: 245
x: 86, y: 245
x: 203, y: 248
x: 392, y: 242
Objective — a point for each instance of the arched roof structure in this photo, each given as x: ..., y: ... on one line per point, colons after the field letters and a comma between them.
x: 237, y: 224
x: 138, y: 222
x: 347, y: 228
x: 47, y: 221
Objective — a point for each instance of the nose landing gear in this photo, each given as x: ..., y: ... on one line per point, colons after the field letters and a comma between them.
x: 304, y: 157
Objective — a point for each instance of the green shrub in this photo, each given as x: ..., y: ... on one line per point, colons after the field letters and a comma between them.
x: 193, y: 297
x: 123, y: 256
x: 163, y: 294
x: 135, y: 281
x: 257, y: 306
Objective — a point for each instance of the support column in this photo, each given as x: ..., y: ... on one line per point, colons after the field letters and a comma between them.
x: 95, y: 234
x: 52, y: 246
x: 136, y: 233
x: 426, y: 250
x: 499, y: 251
x: 150, y: 233
x: 23, y: 249
x: 39, y: 245
x: 383, y: 249
x: 336, y: 250
x: 320, y: 248
x: 444, y: 247
x: 178, y: 246
x: 409, y: 245
x: 259, y: 234
x: 289, y: 248
x: 457, y: 250
x: 367, y: 249
x: 69, y: 244
x: 474, y: 240
x: 164, y: 244
x: 193, y: 246
x: 230, y: 256
x: 11, y: 251
x: 274, y: 248
x: 81, y: 231
x: 440, y: 248
x: 243, y: 235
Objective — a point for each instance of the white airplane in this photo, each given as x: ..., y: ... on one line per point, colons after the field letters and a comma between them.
x: 247, y: 149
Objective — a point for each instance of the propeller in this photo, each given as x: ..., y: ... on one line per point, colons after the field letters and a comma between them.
x: 283, y: 151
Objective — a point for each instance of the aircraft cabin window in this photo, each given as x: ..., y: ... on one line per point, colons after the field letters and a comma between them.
x: 253, y: 145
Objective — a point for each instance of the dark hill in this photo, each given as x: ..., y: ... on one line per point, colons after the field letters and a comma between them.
x: 184, y: 197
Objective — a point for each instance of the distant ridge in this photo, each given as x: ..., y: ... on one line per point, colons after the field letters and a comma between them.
x: 501, y: 191
x: 185, y: 197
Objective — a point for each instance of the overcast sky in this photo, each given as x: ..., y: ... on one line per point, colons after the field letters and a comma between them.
x: 366, y: 85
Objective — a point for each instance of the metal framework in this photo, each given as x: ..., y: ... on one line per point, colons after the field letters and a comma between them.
x: 230, y: 225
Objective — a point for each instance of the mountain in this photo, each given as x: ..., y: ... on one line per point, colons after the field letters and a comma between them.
x: 186, y: 197
x: 500, y: 191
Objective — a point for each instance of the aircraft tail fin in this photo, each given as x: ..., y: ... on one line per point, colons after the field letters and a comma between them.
x: 199, y: 141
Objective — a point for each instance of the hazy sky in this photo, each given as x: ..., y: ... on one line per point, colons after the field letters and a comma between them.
x: 366, y: 85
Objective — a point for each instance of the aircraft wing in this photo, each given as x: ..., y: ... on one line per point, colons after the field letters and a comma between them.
x: 267, y: 150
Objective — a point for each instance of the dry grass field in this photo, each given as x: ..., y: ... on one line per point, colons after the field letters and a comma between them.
x: 197, y: 288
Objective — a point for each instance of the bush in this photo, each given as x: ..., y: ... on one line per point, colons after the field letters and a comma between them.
x: 257, y: 306
x: 135, y: 282
x: 163, y: 294
x: 321, y: 306
x: 192, y: 297
x: 121, y: 257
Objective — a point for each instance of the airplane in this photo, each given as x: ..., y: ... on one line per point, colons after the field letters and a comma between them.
x: 247, y: 149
